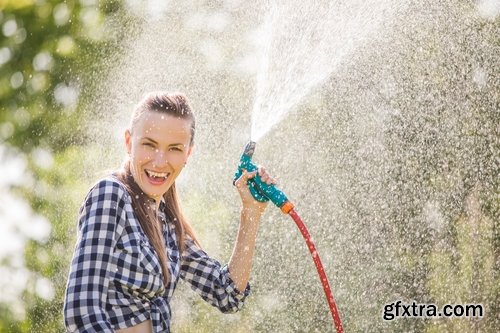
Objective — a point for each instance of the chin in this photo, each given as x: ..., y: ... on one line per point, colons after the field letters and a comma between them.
x: 159, y: 193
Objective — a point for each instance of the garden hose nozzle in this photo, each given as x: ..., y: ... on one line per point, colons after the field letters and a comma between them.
x: 260, y: 190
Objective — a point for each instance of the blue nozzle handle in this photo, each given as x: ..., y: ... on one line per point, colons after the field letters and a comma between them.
x: 260, y: 190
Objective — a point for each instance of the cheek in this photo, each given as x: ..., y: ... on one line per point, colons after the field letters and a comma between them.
x: 139, y: 156
x: 176, y: 160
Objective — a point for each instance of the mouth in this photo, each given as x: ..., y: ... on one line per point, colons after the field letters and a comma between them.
x: 156, y: 178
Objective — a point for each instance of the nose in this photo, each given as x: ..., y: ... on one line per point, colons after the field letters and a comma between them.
x: 160, y: 159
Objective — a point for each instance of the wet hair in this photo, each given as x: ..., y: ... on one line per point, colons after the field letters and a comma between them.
x: 172, y: 104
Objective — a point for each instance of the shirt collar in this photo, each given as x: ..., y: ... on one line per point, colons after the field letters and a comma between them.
x: 162, y: 204
x: 152, y: 203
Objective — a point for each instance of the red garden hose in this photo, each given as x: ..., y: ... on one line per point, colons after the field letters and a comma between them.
x: 321, y: 271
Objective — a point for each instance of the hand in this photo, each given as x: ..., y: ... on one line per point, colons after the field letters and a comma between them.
x: 248, y: 201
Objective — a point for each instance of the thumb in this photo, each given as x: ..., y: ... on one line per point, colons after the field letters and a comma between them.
x: 245, y: 176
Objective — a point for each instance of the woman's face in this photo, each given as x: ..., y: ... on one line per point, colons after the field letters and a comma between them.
x: 158, y: 146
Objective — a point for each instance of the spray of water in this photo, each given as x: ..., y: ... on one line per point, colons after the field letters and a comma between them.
x: 302, y: 45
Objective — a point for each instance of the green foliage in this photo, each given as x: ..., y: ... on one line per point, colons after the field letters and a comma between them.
x: 8, y: 323
x: 57, y: 197
x: 50, y: 53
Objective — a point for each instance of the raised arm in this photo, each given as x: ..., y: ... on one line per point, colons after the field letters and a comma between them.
x: 227, y: 286
x: 241, y: 260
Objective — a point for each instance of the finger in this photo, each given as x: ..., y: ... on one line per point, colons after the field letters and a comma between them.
x: 271, y: 181
x: 250, y: 175
x: 245, y: 176
x: 265, y: 178
x: 262, y: 171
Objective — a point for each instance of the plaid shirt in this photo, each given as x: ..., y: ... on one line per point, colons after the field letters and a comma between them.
x: 115, y: 279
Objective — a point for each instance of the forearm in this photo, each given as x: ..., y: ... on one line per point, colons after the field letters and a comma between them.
x: 241, y: 260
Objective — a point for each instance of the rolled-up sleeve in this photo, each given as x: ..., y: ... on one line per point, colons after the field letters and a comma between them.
x: 210, y: 279
x: 86, y: 291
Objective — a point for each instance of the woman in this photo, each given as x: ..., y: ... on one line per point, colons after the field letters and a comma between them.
x: 134, y: 242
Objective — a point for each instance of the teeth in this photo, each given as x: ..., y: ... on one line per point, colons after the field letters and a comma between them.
x: 156, y: 174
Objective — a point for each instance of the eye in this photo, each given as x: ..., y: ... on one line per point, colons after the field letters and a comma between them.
x: 148, y: 144
x: 175, y: 149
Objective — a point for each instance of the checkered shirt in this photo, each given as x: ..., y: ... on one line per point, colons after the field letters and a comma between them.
x: 115, y: 278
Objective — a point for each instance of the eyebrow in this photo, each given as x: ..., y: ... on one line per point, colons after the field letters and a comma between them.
x: 170, y: 145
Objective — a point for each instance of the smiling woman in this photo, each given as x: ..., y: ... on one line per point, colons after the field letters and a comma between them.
x: 134, y: 243
x: 159, y: 142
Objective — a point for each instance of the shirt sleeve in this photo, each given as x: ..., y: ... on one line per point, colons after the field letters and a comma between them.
x: 210, y: 279
x: 86, y: 291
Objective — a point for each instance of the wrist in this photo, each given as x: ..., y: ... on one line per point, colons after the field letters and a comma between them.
x: 252, y: 209
x: 251, y: 213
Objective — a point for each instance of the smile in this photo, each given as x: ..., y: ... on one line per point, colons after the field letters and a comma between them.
x: 157, y: 178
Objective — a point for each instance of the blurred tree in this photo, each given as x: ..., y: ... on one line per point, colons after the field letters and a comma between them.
x: 50, y: 53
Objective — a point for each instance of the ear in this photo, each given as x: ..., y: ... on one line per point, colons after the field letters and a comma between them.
x: 190, y: 151
x: 128, y: 141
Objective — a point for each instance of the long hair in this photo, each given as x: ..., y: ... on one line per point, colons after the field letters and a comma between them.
x: 173, y: 104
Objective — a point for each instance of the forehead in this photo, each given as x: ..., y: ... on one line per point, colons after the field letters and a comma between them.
x: 160, y: 127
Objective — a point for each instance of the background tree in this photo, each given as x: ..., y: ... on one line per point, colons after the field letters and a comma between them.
x: 50, y: 52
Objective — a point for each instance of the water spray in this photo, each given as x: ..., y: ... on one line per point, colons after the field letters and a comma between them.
x: 263, y: 192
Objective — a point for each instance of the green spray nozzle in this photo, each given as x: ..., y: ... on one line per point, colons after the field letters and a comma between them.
x: 260, y: 190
